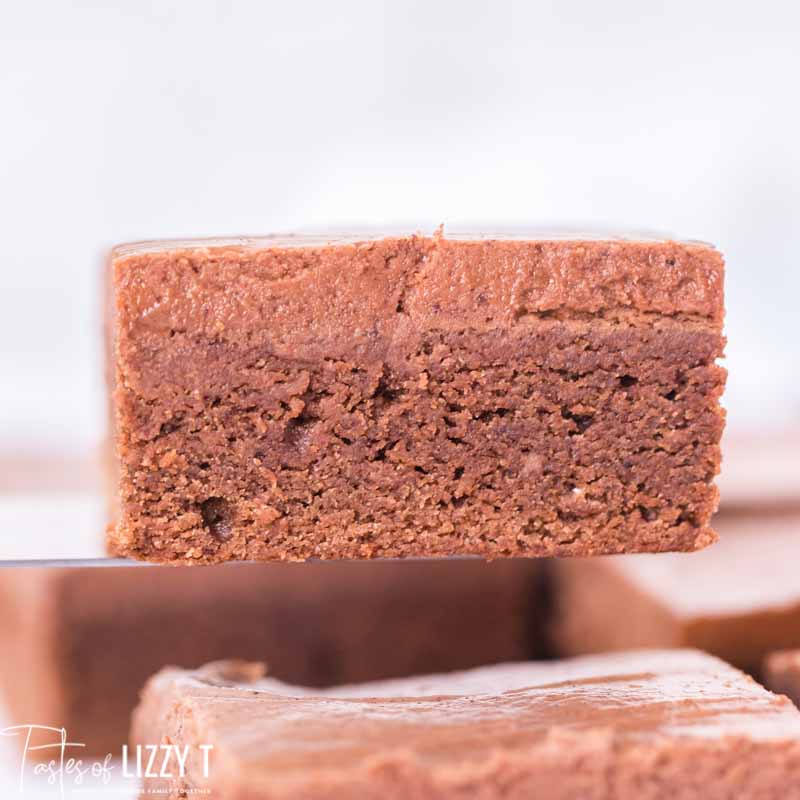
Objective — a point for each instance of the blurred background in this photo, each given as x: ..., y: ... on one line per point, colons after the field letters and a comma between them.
x: 122, y: 121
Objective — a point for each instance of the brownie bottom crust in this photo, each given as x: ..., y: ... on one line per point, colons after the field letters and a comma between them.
x: 557, y: 437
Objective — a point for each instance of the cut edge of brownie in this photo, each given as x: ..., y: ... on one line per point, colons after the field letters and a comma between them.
x: 416, y: 397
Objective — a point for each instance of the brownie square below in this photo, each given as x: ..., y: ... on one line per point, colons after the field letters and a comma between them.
x: 646, y: 724
x: 739, y: 599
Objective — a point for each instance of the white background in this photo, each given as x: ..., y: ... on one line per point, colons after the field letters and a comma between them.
x: 119, y: 121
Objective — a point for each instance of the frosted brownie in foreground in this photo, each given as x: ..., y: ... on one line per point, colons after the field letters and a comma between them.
x: 738, y: 600
x: 782, y: 673
x: 654, y: 724
x: 414, y: 396
x: 78, y: 644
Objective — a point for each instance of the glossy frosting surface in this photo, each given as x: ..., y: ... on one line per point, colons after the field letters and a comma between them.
x: 637, y: 697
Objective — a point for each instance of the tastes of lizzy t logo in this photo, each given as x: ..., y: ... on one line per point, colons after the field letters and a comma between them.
x: 48, y: 755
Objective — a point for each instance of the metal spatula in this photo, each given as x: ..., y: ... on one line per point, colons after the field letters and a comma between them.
x: 54, y: 529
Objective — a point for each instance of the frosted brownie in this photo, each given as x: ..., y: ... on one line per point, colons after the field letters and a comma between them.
x: 782, y: 673
x: 414, y: 396
x: 79, y: 644
x: 738, y: 600
x: 655, y: 724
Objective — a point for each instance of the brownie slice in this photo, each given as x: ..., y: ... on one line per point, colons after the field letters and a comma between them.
x: 654, y: 724
x: 738, y: 600
x: 78, y: 644
x: 782, y: 673
x: 414, y: 396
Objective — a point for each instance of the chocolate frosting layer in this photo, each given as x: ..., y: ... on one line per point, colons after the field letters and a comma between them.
x: 335, y: 291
